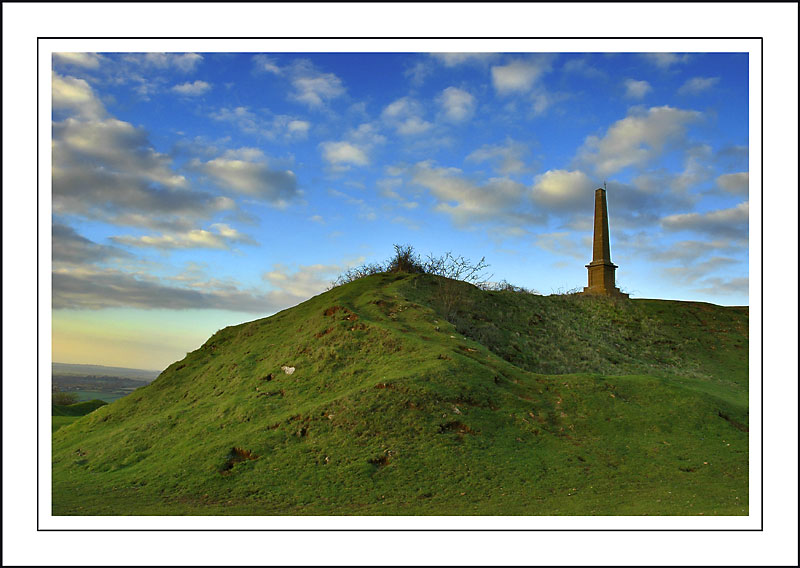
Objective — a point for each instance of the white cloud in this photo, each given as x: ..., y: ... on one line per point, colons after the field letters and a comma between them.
x: 413, y: 125
x: 519, y: 76
x: 294, y: 286
x: 106, y: 169
x: 91, y: 288
x: 298, y: 128
x: 313, y: 87
x: 690, y: 251
x: 740, y: 285
x: 242, y: 117
x: 401, y: 107
x: 692, y: 274
x: 666, y: 60
x: 563, y: 243
x: 388, y: 187
x: 71, y: 248
x: 266, y: 63
x: 271, y: 127
x: 636, y: 89
x: 419, y: 71
x: 697, y: 85
x: 343, y: 153
x: 457, y: 104
x: 541, y: 100
x: 85, y: 60
x: 220, y: 237
x: 583, y: 67
x: 76, y: 96
x: 412, y: 224
x: 563, y: 190
x: 405, y: 115
x: 738, y: 183
x: 636, y: 139
x: 367, y: 135
x: 454, y: 59
x: 570, y: 194
x: 246, y: 171
x: 508, y: 158
x: 731, y: 222
x: 184, y: 62
x: 697, y: 170
x: 355, y: 149
x: 192, y: 89
x: 115, y: 146
x: 465, y: 201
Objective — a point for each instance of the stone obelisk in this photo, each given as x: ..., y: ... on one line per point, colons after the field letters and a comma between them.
x: 601, y: 269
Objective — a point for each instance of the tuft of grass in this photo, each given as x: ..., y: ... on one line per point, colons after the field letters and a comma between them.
x: 514, y: 404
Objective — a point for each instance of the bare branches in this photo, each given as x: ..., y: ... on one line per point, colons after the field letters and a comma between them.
x: 457, y: 268
x: 406, y: 259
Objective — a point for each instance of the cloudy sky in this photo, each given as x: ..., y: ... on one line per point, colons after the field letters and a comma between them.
x: 191, y: 191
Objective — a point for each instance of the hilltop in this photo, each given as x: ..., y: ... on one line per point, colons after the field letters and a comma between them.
x: 415, y: 394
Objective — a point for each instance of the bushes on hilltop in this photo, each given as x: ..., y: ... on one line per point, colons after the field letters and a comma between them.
x: 406, y: 260
x: 453, y: 270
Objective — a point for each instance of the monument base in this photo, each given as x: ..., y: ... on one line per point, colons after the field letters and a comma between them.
x: 602, y: 291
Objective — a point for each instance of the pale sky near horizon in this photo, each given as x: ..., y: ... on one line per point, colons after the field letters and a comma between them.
x: 197, y: 190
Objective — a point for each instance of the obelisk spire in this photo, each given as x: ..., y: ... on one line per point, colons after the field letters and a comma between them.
x: 601, y: 251
x: 601, y: 269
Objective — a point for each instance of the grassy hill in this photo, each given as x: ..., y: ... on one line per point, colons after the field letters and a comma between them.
x: 67, y: 414
x: 413, y: 394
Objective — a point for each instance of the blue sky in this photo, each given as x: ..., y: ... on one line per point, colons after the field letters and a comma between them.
x: 197, y: 190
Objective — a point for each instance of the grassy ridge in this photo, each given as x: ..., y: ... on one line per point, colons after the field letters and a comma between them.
x: 521, y: 409
x: 79, y: 408
x: 63, y: 415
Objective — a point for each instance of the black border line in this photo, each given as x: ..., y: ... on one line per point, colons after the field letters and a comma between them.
x: 38, y: 487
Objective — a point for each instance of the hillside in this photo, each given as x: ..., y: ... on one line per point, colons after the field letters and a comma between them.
x: 67, y: 414
x: 524, y: 405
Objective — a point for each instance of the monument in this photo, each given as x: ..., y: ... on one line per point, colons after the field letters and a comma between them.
x: 601, y: 269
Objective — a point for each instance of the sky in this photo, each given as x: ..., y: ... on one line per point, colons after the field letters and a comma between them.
x: 192, y: 191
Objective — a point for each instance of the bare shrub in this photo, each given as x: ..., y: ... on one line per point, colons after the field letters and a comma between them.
x: 405, y: 259
x: 457, y: 268
x: 505, y: 286
x: 356, y: 273
x: 64, y: 398
x: 452, y: 294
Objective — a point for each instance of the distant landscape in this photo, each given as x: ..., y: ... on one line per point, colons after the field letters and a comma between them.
x: 90, y: 382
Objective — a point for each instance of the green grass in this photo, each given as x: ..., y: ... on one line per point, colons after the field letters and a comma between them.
x: 524, y: 405
x: 61, y: 421
x: 64, y: 415
x: 85, y: 395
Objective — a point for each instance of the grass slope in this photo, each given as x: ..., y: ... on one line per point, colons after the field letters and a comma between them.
x: 67, y: 414
x: 528, y: 405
